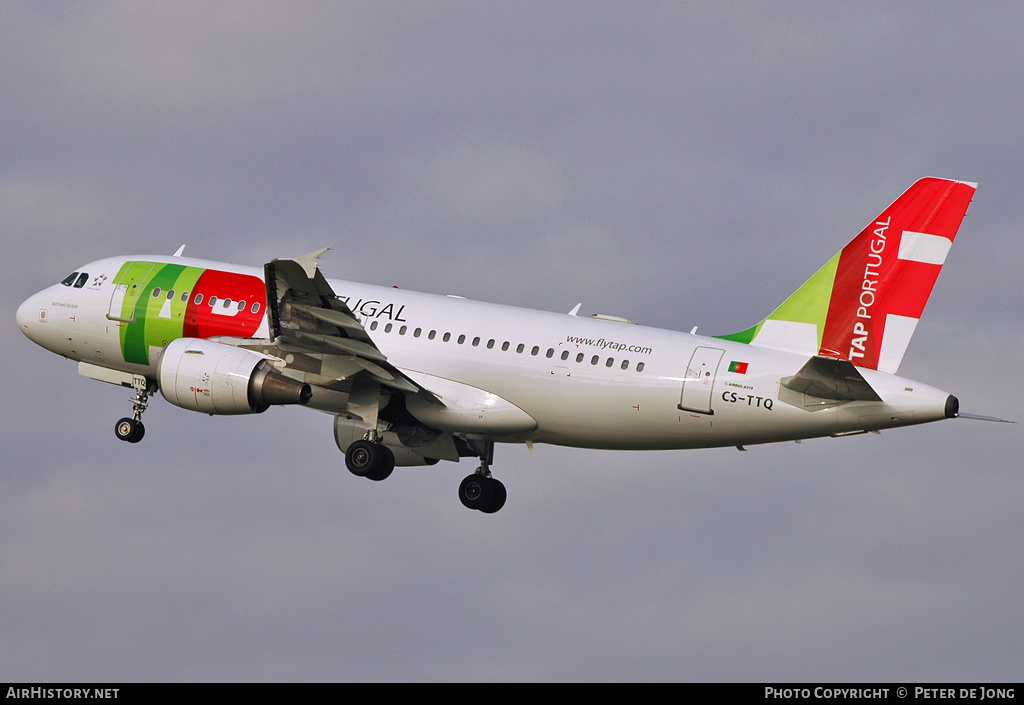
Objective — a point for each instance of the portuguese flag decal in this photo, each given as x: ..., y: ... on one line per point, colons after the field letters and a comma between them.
x: 739, y: 368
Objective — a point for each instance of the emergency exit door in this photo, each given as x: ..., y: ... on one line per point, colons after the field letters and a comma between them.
x: 700, y: 380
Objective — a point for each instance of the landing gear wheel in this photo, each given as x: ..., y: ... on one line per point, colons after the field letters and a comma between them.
x: 371, y: 460
x: 129, y: 430
x: 498, y: 497
x: 387, y: 464
x: 476, y: 491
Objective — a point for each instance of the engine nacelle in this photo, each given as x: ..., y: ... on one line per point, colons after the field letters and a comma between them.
x: 201, y: 375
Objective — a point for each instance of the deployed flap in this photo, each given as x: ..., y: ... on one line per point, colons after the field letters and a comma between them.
x: 305, y: 313
x: 831, y: 378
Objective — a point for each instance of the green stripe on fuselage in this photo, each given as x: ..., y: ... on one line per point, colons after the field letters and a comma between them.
x: 156, y: 320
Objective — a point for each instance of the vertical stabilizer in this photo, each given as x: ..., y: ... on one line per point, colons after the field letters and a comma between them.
x: 864, y: 304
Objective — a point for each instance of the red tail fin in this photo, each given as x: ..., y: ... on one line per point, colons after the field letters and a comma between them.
x: 885, y: 275
x: 864, y: 304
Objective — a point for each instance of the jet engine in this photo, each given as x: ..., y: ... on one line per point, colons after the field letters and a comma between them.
x: 201, y: 375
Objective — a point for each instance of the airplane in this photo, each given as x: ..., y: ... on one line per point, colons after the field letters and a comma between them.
x: 414, y: 378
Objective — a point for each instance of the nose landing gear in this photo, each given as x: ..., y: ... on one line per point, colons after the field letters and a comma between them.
x: 131, y: 429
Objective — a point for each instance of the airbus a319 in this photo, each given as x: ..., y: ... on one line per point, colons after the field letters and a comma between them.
x: 414, y: 378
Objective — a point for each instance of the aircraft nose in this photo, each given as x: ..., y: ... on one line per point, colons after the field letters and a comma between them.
x: 28, y: 315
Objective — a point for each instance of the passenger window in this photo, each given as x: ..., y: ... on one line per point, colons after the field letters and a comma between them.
x: 504, y: 346
x: 241, y: 305
x: 69, y: 279
x: 256, y: 307
x: 579, y: 358
x: 156, y: 292
x: 431, y: 334
x: 625, y: 364
x: 170, y: 294
x: 373, y: 326
x: 199, y: 299
x: 609, y: 362
x: 490, y: 343
x: 416, y: 333
x: 227, y: 303
x: 82, y: 279
x: 639, y: 367
x: 593, y: 360
x: 184, y: 297
x: 387, y: 328
x: 462, y: 339
x: 476, y: 341
x: 401, y: 331
x: 520, y: 347
x: 213, y: 301
x: 447, y: 337
x: 535, y: 350
x: 565, y: 354
x: 551, y: 351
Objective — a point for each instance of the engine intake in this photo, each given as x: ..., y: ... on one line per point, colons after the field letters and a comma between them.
x: 201, y: 375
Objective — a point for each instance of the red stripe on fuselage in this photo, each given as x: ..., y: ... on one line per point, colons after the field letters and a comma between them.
x: 204, y: 321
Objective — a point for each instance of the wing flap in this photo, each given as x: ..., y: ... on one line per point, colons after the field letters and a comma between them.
x: 306, y: 314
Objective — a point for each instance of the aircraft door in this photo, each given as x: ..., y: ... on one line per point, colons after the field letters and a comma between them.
x: 127, y: 289
x: 700, y: 379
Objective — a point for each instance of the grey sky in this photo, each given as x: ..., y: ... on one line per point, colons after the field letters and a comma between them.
x: 679, y: 164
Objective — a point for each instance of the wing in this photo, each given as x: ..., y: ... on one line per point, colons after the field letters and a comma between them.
x: 306, y: 317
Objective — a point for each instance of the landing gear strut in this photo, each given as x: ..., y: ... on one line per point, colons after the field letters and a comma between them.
x: 370, y: 458
x: 131, y: 429
x: 480, y: 490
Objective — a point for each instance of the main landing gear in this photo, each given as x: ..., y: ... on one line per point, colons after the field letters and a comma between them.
x: 131, y: 429
x: 370, y: 458
x: 480, y: 490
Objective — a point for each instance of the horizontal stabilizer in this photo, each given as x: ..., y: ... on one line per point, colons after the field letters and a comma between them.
x: 831, y: 378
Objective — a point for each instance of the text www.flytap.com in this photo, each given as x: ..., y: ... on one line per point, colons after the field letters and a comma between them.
x: 608, y: 345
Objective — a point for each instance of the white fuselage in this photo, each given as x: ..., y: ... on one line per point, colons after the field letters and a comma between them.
x: 586, y: 382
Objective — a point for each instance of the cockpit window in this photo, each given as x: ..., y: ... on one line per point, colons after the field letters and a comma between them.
x: 82, y: 279
x: 69, y: 279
